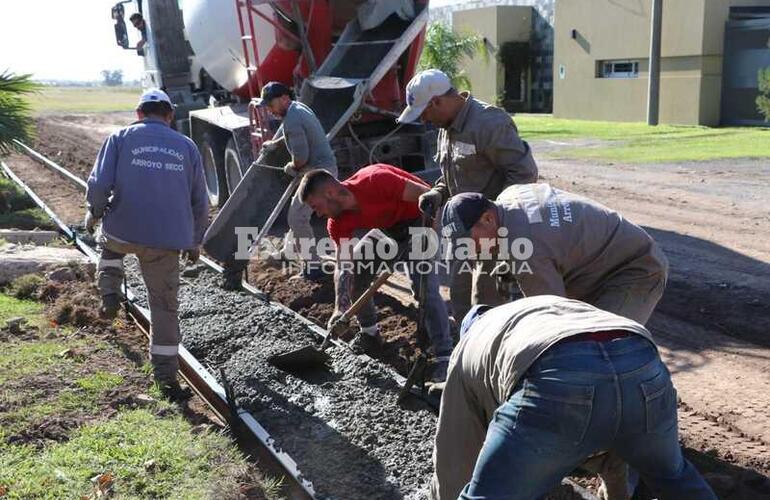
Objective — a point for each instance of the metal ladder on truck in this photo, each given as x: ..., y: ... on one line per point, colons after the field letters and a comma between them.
x: 335, y: 92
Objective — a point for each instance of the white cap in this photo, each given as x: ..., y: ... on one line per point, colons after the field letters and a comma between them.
x: 154, y: 95
x: 423, y: 86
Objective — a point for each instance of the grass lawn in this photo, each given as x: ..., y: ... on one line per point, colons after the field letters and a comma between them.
x: 640, y: 143
x: 70, y: 426
x: 84, y: 99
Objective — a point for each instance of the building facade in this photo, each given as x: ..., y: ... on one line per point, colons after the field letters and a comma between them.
x: 710, y: 56
x: 521, y: 29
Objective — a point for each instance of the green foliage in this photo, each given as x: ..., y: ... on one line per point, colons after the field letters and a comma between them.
x: 149, y: 457
x: 26, y: 286
x: 29, y: 218
x: 640, y: 143
x: 112, y: 78
x: 444, y: 49
x: 763, y: 99
x: 12, y: 197
x: 11, y: 307
x: 84, y: 99
x: 15, y: 116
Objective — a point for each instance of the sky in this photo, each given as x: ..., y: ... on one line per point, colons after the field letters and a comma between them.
x: 56, y: 39
x: 62, y: 40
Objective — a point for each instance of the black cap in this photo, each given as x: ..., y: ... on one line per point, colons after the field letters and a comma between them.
x: 461, y: 212
x: 273, y: 90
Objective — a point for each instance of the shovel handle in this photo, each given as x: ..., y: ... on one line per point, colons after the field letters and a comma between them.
x: 277, y: 210
x: 366, y: 296
x: 359, y: 303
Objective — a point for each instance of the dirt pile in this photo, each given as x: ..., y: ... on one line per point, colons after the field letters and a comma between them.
x: 74, y: 140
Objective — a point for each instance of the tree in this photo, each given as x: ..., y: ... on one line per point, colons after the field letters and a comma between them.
x: 763, y: 100
x: 112, y: 78
x: 445, y: 48
x: 15, y: 114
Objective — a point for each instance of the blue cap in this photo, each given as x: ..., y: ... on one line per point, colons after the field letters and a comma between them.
x: 470, y: 318
x: 461, y: 212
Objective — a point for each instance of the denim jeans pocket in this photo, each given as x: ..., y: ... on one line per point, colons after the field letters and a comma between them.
x: 553, y: 414
x: 659, y: 403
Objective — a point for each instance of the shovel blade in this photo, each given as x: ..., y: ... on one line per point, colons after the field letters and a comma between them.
x: 305, y: 358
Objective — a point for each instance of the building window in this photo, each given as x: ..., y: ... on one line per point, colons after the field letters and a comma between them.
x: 618, y: 69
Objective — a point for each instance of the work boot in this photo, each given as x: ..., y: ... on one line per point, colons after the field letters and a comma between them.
x: 368, y: 341
x: 232, y: 280
x: 110, y: 306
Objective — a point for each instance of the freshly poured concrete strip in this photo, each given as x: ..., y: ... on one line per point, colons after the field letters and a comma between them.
x: 343, y: 426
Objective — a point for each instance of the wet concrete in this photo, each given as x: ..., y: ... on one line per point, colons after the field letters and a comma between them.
x: 343, y: 425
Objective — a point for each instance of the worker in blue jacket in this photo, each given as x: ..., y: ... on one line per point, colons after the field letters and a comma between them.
x: 147, y: 187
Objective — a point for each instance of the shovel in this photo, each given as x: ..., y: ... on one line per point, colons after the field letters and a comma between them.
x: 312, y: 357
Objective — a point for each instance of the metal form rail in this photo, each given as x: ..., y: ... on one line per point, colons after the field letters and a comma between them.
x: 198, y: 377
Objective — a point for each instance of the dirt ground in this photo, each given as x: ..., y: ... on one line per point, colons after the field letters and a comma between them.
x: 711, y: 324
x: 48, y: 404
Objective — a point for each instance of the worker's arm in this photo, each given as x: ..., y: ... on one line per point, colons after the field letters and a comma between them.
x: 102, y: 178
x: 459, y: 437
x: 343, y: 277
x: 500, y: 142
x: 199, y: 199
x: 440, y: 185
x: 539, y: 276
x: 413, y: 190
x: 296, y: 142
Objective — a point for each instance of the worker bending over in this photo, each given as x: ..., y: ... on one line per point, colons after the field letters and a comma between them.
x: 309, y: 149
x: 551, y: 242
x: 376, y: 197
x: 479, y: 150
x: 147, y: 186
x: 537, y: 385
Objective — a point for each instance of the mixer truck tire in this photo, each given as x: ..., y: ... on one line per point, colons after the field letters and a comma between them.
x: 214, y: 170
x: 232, y: 167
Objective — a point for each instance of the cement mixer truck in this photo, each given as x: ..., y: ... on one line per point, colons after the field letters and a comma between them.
x: 349, y: 60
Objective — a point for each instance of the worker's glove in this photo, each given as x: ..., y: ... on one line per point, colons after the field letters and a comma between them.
x: 429, y: 202
x: 90, y: 222
x: 191, y: 255
x: 505, y: 280
x: 337, y: 325
x: 291, y: 170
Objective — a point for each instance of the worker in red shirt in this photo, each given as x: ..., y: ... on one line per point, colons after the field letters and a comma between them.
x: 379, y: 197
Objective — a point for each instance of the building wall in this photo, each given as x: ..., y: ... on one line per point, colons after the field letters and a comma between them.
x: 691, y: 59
x: 498, y: 24
x: 541, y: 42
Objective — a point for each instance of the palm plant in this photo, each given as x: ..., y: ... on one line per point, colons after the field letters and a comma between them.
x: 444, y: 49
x: 15, y: 114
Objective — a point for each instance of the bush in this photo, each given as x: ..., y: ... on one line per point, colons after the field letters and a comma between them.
x: 29, y: 218
x: 13, y: 198
x: 27, y: 286
x: 763, y: 100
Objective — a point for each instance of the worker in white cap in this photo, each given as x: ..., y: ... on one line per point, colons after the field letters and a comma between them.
x: 479, y: 150
x: 147, y: 186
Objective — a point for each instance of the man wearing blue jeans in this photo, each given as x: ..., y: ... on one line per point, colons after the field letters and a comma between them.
x: 537, y: 386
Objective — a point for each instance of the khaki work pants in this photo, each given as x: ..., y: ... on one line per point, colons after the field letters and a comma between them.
x: 160, y: 271
x: 470, y: 288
